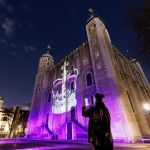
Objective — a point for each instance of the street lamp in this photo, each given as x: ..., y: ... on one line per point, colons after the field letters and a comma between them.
x: 146, y: 107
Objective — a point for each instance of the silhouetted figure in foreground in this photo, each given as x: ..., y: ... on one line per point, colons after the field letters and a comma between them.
x: 99, y: 132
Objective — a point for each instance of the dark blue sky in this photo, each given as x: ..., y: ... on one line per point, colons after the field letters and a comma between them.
x: 27, y: 27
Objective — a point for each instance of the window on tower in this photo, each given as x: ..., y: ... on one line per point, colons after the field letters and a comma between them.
x: 85, y: 61
x: 96, y: 54
x: 39, y: 89
x: 49, y: 97
x: 72, y: 86
x: 4, y: 119
x: 71, y: 70
x: 88, y: 79
x: 94, y: 42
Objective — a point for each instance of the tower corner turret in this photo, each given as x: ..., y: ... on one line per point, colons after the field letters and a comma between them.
x: 46, y: 62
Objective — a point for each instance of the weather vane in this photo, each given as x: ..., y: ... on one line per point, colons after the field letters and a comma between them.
x: 91, y: 11
x: 48, y: 48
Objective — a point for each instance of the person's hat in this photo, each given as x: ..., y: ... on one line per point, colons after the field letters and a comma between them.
x: 99, y: 96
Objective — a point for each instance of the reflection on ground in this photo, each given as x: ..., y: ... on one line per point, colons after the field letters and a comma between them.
x: 41, y: 144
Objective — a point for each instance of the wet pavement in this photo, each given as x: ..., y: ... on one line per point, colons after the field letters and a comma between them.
x: 28, y: 144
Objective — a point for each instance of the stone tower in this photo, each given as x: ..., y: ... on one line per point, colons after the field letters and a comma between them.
x: 124, y: 124
x: 35, y: 121
x: 95, y: 66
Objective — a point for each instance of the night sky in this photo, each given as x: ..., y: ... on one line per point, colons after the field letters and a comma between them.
x: 28, y: 26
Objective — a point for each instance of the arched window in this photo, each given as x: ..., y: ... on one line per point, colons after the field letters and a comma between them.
x: 72, y: 86
x: 49, y: 97
x: 71, y: 70
x: 39, y: 89
x: 4, y: 119
x: 72, y: 113
x: 88, y: 79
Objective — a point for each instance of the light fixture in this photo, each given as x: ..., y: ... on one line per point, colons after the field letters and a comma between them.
x: 146, y: 106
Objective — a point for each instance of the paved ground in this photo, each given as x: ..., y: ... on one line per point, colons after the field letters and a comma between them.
x: 25, y: 144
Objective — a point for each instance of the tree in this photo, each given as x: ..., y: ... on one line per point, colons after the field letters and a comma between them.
x: 138, y: 17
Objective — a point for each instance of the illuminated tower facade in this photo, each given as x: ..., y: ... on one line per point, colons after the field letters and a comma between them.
x: 37, y: 108
x: 95, y: 66
x: 124, y: 122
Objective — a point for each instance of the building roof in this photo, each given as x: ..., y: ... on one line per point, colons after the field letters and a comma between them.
x: 47, y: 55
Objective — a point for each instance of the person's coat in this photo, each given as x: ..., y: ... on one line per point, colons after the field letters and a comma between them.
x: 99, y: 132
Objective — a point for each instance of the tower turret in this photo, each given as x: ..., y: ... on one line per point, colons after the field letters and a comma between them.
x: 46, y: 62
x: 35, y: 121
x: 106, y: 82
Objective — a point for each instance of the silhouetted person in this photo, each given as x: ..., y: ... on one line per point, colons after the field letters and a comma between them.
x: 99, y: 132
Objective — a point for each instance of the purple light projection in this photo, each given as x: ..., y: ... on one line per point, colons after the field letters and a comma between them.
x: 64, y: 96
x: 64, y: 101
x: 65, y: 120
